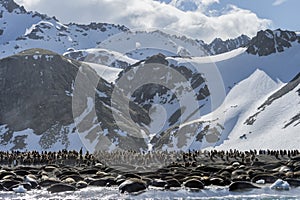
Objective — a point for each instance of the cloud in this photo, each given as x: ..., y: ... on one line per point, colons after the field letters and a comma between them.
x: 27, y: 3
x: 278, y: 2
x: 209, y: 2
x: 143, y: 14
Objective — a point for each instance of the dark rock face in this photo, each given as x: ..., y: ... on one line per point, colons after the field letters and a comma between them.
x: 37, y: 90
x: 159, y: 67
x: 156, y: 81
x: 100, y: 26
x: 218, y: 46
x: 33, y: 88
x: 10, y: 6
x: 268, y: 42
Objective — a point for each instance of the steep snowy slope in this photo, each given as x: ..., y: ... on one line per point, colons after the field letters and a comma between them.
x: 258, y: 113
x: 256, y: 108
x: 271, y: 122
x: 212, y: 129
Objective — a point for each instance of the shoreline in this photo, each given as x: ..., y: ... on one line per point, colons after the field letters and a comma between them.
x: 134, y: 172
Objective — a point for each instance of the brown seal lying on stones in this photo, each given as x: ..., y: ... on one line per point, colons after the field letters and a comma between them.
x: 132, y: 185
x: 81, y: 184
x: 293, y: 182
x: 193, y: 184
x: 266, y: 177
x: 60, y: 187
x: 242, y: 185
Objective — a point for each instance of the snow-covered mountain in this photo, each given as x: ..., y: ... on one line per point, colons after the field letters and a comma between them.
x: 141, y: 45
x: 36, y: 30
x: 119, y: 88
x: 261, y: 108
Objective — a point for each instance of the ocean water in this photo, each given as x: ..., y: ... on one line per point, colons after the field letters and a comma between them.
x: 105, y: 193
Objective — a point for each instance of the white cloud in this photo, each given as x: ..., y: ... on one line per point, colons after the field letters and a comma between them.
x: 27, y: 3
x: 209, y: 2
x: 142, y: 14
x: 278, y: 2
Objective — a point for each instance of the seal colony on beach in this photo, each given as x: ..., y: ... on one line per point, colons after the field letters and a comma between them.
x: 132, y: 171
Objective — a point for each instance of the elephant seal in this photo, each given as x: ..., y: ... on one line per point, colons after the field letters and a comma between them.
x: 81, y: 184
x: 48, y: 182
x: 60, y: 187
x: 242, y: 185
x: 158, y: 183
x: 266, y: 177
x: 132, y: 185
x: 105, y: 181
x: 193, y: 184
x: 9, y: 183
x: 293, y: 182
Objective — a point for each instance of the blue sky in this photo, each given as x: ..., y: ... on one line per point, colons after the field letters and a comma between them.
x: 201, y: 19
x: 285, y: 14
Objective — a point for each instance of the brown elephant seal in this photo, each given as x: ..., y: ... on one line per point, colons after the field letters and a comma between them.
x: 193, y: 184
x: 60, y: 187
x: 242, y: 185
x: 132, y: 185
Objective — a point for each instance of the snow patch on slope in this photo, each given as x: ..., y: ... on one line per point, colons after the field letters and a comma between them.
x: 110, y: 74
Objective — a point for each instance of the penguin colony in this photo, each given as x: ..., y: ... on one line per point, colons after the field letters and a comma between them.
x: 133, y: 172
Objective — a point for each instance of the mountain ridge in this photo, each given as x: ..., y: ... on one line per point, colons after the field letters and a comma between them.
x: 39, y: 28
x: 158, y: 96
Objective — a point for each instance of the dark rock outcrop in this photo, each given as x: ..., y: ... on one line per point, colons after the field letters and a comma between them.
x: 10, y: 6
x: 218, y: 46
x: 36, y: 92
x: 166, y: 86
x: 267, y: 42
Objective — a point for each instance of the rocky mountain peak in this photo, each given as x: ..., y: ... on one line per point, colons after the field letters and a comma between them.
x: 218, y: 46
x: 268, y: 41
x: 10, y: 6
